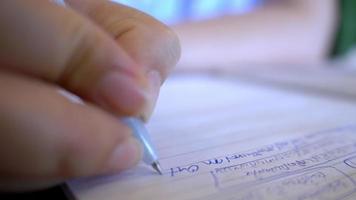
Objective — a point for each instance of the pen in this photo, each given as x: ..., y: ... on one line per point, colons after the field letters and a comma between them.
x: 140, y: 132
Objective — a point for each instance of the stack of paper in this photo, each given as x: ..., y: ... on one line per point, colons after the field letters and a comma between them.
x: 226, y: 139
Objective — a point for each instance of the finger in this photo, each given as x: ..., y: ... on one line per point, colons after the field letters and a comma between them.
x: 63, y: 47
x: 45, y: 138
x: 149, y: 42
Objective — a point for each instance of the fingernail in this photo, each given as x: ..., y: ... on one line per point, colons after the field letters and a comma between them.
x: 154, y: 84
x: 121, y: 93
x: 127, y: 154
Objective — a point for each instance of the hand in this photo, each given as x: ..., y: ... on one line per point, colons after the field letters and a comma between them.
x: 113, y: 57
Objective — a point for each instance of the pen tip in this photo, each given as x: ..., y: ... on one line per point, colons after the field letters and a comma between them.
x: 157, y: 167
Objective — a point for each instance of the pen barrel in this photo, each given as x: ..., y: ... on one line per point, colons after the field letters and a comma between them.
x: 141, y: 134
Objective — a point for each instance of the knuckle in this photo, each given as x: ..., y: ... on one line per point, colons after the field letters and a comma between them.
x: 81, y: 42
x: 139, y: 34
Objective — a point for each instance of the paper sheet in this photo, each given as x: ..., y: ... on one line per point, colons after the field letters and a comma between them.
x: 225, y: 139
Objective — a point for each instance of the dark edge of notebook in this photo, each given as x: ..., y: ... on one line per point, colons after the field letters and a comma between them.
x: 68, y: 192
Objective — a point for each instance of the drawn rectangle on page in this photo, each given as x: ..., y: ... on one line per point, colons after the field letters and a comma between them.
x: 226, y: 139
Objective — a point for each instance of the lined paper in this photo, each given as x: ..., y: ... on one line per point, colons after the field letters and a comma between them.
x: 227, y: 139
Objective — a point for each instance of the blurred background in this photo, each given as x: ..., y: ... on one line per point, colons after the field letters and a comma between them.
x: 233, y: 34
x: 177, y: 11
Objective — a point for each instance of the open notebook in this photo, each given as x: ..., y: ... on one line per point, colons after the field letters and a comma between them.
x: 227, y: 139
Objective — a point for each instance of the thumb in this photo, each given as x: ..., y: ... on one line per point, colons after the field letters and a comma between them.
x: 57, y: 44
x: 46, y: 139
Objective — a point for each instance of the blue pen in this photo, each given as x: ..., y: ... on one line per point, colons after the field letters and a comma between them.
x: 140, y: 132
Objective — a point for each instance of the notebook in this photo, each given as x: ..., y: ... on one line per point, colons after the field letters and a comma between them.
x: 224, y: 138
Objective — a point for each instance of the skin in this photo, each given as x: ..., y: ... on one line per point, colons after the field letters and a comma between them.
x: 115, y: 58
x: 280, y: 32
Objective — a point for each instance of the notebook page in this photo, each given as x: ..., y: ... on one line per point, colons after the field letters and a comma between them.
x: 225, y: 139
